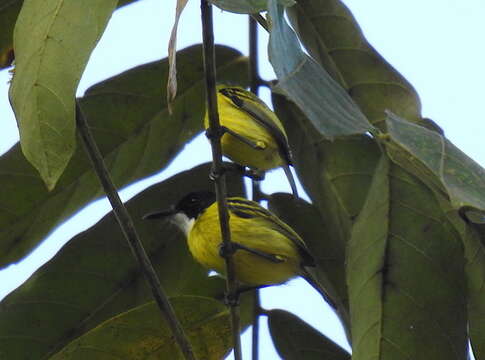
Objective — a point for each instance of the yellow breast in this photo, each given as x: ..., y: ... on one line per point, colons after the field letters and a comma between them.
x: 242, y: 123
x: 205, y: 237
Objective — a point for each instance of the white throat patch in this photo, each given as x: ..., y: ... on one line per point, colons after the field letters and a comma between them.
x: 183, y: 222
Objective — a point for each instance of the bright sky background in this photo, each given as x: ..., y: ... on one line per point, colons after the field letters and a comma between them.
x: 436, y: 44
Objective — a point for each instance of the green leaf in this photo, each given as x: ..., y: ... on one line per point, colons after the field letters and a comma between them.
x: 334, y: 39
x: 122, y: 3
x: 435, y: 159
x: 95, y: 277
x: 142, y: 333
x: 9, y: 11
x: 328, y: 252
x: 475, y: 270
x: 335, y: 174
x: 324, y: 102
x: 295, y: 339
x: 473, y: 237
x: 247, y: 6
x: 53, y: 40
x: 405, y: 274
x: 130, y: 122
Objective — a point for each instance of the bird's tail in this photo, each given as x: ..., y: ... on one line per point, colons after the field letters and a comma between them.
x: 337, y: 305
x: 291, y: 180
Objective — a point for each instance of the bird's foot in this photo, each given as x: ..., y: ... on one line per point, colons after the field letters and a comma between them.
x: 256, y: 175
x: 225, y: 167
x: 227, y: 249
x: 215, y: 133
x: 231, y: 299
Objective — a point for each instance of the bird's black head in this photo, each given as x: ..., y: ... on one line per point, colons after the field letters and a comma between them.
x: 191, y: 205
x: 194, y: 203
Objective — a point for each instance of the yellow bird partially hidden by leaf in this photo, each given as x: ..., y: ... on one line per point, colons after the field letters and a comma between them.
x: 254, y: 136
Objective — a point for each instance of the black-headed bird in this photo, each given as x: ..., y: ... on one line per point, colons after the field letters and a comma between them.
x: 254, y: 136
x: 268, y: 252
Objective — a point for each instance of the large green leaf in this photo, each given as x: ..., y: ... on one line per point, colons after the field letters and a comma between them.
x: 129, y: 119
x: 9, y: 11
x: 473, y: 237
x: 435, y: 159
x: 475, y: 270
x: 334, y: 39
x: 328, y: 252
x: 141, y: 333
x: 335, y: 174
x: 53, y: 40
x: 295, y: 339
x: 324, y: 102
x: 405, y: 274
x: 94, y: 277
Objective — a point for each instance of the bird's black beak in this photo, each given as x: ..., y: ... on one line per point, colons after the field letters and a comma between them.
x: 160, y: 214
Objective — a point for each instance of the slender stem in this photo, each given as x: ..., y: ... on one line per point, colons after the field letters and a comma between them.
x: 257, y: 310
x: 255, y: 83
x: 217, y: 170
x: 255, y: 331
x: 256, y: 293
x: 256, y: 80
x: 253, y: 55
x: 129, y: 231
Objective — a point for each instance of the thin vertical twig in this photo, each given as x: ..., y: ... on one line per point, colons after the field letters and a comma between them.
x: 255, y: 82
x: 215, y: 133
x: 253, y: 55
x: 129, y: 231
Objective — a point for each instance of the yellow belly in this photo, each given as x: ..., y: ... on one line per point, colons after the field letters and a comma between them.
x: 244, y: 125
x: 204, y: 242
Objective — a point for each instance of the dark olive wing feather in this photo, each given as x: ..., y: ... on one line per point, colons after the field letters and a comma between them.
x: 243, y: 102
x: 248, y: 209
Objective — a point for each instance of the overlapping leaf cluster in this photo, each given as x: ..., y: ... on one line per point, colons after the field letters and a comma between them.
x: 395, y: 224
x: 407, y: 268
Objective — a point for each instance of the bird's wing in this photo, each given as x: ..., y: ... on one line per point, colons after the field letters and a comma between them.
x: 245, y: 103
x: 251, y: 210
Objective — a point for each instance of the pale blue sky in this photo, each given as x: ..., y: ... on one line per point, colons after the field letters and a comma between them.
x: 436, y: 44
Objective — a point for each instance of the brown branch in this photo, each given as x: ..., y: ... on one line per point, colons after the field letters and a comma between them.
x: 129, y: 231
x: 215, y: 133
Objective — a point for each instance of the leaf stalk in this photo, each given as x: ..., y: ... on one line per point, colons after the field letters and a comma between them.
x: 131, y: 235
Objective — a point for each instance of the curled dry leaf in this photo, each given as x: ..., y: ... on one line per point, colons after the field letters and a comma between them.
x: 172, y: 58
